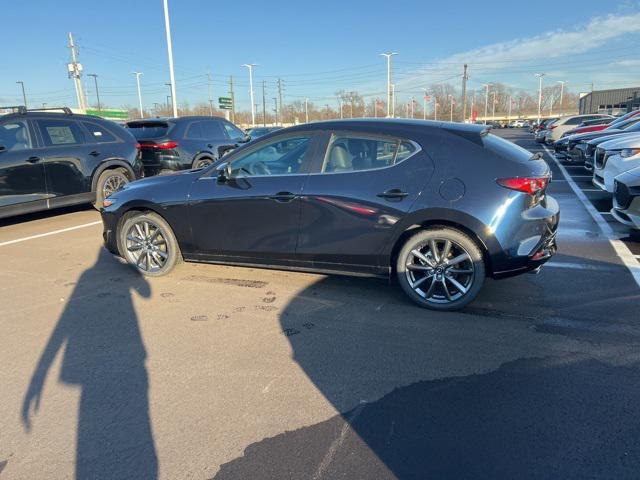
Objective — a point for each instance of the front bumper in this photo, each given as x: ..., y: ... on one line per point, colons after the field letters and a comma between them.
x: 109, y: 231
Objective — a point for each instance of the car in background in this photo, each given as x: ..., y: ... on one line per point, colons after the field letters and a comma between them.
x: 168, y: 145
x: 582, y: 147
x: 590, y: 126
x: 257, y: 132
x: 54, y: 159
x: 564, y: 124
x: 520, y: 123
x: 412, y: 199
x: 541, y: 128
x: 614, y: 157
x: 626, y: 198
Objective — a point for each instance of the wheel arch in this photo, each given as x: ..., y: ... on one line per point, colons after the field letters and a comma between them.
x: 110, y: 165
x: 138, y: 209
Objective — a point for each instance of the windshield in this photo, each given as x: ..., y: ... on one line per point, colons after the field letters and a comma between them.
x: 147, y: 130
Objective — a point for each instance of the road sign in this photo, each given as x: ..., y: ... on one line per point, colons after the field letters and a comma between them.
x: 224, y: 106
x: 110, y: 114
x: 223, y: 100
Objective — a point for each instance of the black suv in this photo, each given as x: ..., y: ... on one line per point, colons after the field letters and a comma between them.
x: 50, y: 160
x: 171, y: 144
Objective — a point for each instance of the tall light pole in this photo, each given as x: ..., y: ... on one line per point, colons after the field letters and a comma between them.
x: 172, y: 77
x: 393, y: 99
x: 390, y: 111
x: 137, y: 74
x: 486, y: 101
x: 561, y: 82
x: 540, y: 75
x: 451, y: 108
x: 493, y: 106
x: 24, y: 95
x: 509, y: 114
x: 424, y: 107
x: 253, y: 110
x: 435, y: 108
x: 306, y: 110
x: 95, y: 80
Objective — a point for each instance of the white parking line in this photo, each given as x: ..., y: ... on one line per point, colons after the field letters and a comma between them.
x: 593, y: 190
x: 623, y: 252
x: 575, y: 266
x: 54, y: 232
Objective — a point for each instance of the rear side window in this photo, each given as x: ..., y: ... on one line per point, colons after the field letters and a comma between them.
x: 98, y: 133
x: 212, y: 129
x: 194, y: 131
x: 505, y: 148
x: 148, y: 130
x: 15, y: 136
x: 352, y: 153
x: 60, y: 132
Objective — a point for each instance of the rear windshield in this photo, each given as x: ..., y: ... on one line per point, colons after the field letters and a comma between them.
x: 505, y: 148
x: 145, y: 130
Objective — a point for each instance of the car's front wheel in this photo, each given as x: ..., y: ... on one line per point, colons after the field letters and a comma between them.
x: 441, y: 268
x: 147, y: 242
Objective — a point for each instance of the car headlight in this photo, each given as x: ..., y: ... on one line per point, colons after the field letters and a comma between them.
x: 629, y: 152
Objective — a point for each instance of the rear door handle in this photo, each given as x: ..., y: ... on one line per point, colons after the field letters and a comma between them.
x: 283, y: 197
x: 95, y: 153
x: 393, y: 193
x: 33, y: 159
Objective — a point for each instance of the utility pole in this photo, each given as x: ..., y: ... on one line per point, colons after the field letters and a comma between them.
x: 393, y: 98
x: 172, y: 77
x: 493, y: 106
x: 390, y: 113
x: 486, y: 101
x: 95, y: 80
x: 561, y: 82
x: 280, y: 88
x: 451, y: 108
x: 169, y: 105
x: 340, y: 103
x: 465, y: 77
x: 75, y: 72
x: 424, y: 106
x: 275, y: 102
x: 233, y: 99
x: 253, y: 109
x: 155, y: 108
x: 306, y: 110
x: 137, y: 74
x: 24, y: 95
x: 413, y: 101
x: 435, y: 108
x: 509, y: 114
x: 539, y: 75
x: 209, y: 92
x: 473, y: 101
x: 264, y: 105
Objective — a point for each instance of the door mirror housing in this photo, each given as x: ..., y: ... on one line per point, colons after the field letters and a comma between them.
x: 223, y: 172
x: 245, y: 139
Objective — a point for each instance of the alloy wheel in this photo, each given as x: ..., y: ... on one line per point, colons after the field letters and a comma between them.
x: 146, y: 246
x: 440, y: 271
x: 202, y: 163
x: 113, y: 183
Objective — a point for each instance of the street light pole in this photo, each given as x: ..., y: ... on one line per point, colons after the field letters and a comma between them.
x: 95, y: 80
x: 486, y: 101
x: 24, y: 95
x: 137, y: 74
x: 253, y: 110
x: 561, y: 82
x: 306, y: 110
x: 493, y: 106
x: 451, y: 108
x: 393, y: 98
x: 539, y: 75
x: 424, y: 107
x: 167, y: 27
x: 389, y: 86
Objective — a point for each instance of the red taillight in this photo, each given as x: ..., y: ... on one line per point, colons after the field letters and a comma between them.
x: 138, y: 146
x: 528, y: 185
x: 170, y: 145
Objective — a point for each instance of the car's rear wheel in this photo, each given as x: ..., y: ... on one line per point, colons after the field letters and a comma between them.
x: 441, y: 268
x: 202, y: 162
x: 109, y: 182
x: 147, y: 242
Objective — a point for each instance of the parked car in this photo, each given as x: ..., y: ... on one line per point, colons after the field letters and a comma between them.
x: 541, y: 129
x: 583, y: 146
x: 614, y: 157
x: 257, y: 132
x: 563, y: 124
x: 438, y: 205
x: 172, y: 144
x: 52, y: 159
x: 520, y: 123
x: 626, y: 198
x: 590, y: 126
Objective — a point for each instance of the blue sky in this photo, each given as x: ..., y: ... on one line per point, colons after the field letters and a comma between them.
x: 316, y: 47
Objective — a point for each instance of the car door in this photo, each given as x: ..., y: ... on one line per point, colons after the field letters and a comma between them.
x: 67, y: 157
x: 22, y: 180
x: 253, y: 216
x: 359, y: 189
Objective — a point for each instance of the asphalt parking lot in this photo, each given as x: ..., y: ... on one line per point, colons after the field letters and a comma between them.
x: 240, y: 373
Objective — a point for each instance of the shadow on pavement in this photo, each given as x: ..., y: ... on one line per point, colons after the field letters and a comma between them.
x: 104, y: 356
x: 455, y: 395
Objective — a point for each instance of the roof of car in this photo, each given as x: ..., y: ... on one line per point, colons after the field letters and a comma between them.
x: 389, y: 122
x: 40, y: 113
x: 174, y: 119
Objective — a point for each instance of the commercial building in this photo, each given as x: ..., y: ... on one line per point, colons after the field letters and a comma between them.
x: 613, y: 102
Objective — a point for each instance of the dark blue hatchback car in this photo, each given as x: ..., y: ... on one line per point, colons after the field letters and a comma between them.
x: 440, y: 206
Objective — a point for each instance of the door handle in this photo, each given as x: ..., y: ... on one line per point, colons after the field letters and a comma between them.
x: 283, y: 197
x: 393, y: 193
x: 33, y: 159
x: 95, y: 153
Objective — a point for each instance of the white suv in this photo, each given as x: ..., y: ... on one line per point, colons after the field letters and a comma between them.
x: 613, y: 158
x: 564, y: 124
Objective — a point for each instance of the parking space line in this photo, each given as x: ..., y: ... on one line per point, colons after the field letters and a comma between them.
x: 593, y: 190
x: 54, y: 232
x: 623, y: 252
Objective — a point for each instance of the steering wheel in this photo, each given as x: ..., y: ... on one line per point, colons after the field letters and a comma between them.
x: 260, y: 168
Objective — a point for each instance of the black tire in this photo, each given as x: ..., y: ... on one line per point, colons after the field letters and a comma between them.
x: 147, y: 243
x: 109, y: 181
x: 202, y: 162
x: 445, y: 288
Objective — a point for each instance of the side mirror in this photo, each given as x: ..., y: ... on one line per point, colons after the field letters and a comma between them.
x: 223, y: 172
x: 245, y: 139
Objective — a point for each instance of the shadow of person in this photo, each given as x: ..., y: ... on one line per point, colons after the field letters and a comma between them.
x: 104, y: 356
